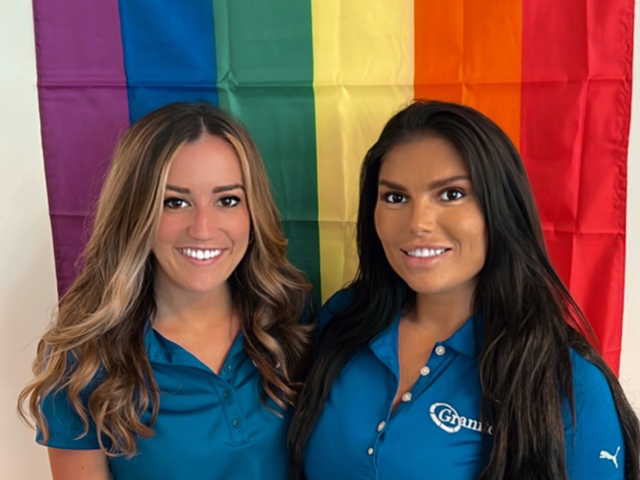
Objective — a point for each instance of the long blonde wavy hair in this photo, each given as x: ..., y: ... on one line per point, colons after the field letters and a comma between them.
x: 97, y: 337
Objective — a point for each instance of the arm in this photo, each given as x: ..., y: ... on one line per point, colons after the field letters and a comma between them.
x: 78, y: 464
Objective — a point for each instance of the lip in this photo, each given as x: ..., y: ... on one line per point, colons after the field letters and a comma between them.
x: 424, y: 262
x: 201, y: 263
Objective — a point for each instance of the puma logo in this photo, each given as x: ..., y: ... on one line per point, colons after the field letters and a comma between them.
x: 607, y: 456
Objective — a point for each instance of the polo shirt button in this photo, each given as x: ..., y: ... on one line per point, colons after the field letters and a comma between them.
x: 406, y: 397
x: 370, y: 451
x: 381, y: 425
x: 227, y: 394
x: 227, y: 367
x: 424, y: 371
x: 237, y: 423
x: 440, y: 350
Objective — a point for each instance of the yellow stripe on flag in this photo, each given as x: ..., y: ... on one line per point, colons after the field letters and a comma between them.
x: 363, y: 73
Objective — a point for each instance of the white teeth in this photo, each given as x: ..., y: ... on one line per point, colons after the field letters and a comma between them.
x: 426, y: 252
x: 200, y: 254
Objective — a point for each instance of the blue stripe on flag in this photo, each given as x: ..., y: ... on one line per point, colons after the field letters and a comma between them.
x: 169, y: 53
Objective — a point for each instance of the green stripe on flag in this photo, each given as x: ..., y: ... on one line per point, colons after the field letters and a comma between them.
x: 265, y: 78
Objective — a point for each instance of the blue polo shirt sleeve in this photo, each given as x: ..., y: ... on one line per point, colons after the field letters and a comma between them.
x: 65, y: 425
x: 596, y: 448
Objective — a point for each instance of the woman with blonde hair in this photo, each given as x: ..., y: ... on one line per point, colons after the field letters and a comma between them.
x: 177, y: 351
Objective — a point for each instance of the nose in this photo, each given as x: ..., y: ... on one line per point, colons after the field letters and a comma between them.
x: 202, y: 224
x: 423, y: 217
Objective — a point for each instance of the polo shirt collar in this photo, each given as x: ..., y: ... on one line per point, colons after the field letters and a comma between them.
x: 163, y: 351
x: 467, y: 341
x: 385, y: 346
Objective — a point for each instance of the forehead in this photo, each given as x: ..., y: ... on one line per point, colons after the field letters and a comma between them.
x: 427, y: 158
x: 208, y: 159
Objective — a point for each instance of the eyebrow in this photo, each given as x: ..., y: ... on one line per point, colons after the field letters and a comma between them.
x: 221, y: 188
x: 432, y: 186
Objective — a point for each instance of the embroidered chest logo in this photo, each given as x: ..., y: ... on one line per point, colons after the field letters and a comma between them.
x: 607, y: 456
x: 448, y: 419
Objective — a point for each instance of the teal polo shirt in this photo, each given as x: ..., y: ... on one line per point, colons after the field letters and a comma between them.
x: 209, y: 426
x: 436, y: 432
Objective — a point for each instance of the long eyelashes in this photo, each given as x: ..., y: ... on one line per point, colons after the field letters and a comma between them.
x: 229, y: 201
x: 393, y: 197
x: 175, y: 203
x: 451, y: 194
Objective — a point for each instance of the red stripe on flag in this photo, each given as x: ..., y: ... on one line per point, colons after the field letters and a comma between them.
x: 576, y: 102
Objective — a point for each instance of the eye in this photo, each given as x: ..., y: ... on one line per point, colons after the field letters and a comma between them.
x: 175, y: 203
x: 393, y: 197
x: 229, y: 201
x: 451, y: 194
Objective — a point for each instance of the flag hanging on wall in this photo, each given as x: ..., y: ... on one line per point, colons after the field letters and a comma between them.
x: 315, y: 81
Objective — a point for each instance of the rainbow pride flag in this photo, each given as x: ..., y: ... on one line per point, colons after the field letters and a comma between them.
x: 315, y: 81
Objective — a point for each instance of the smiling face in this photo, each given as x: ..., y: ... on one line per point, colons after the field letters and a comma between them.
x: 429, y: 220
x: 204, y: 229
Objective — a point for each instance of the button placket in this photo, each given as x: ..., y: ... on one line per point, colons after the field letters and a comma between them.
x: 378, y: 433
x: 228, y: 398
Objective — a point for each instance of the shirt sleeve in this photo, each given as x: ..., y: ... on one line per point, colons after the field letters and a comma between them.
x: 65, y: 425
x: 595, y: 449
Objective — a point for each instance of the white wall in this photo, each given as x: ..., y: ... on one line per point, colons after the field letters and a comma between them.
x: 630, y: 360
x: 27, y: 278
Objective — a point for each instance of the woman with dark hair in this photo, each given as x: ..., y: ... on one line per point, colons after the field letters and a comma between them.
x: 456, y: 352
x: 178, y: 350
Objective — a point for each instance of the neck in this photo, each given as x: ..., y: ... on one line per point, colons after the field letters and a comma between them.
x: 441, y: 315
x: 194, y: 310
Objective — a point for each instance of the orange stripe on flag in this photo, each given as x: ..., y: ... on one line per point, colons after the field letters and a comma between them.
x: 439, y: 42
x: 470, y: 51
x: 493, y: 61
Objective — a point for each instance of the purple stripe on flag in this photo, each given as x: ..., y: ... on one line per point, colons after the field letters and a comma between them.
x: 83, y: 111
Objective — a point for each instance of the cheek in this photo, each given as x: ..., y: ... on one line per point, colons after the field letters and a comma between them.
x: 381, y: 231
x: 167, y: 228
x: 383, y: 224
x: 242, y: 224
x: 476, y: 234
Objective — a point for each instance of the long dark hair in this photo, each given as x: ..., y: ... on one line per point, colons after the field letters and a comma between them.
x: 530, y: 319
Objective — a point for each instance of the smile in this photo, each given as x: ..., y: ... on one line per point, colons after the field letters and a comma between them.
x: 425, y: 252
x: 200, y: 254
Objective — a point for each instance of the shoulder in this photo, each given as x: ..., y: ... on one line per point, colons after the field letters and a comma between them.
x: 595, y: 447
x: 591, y: 388
x: 338, y: 302
x: 67, y: 430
